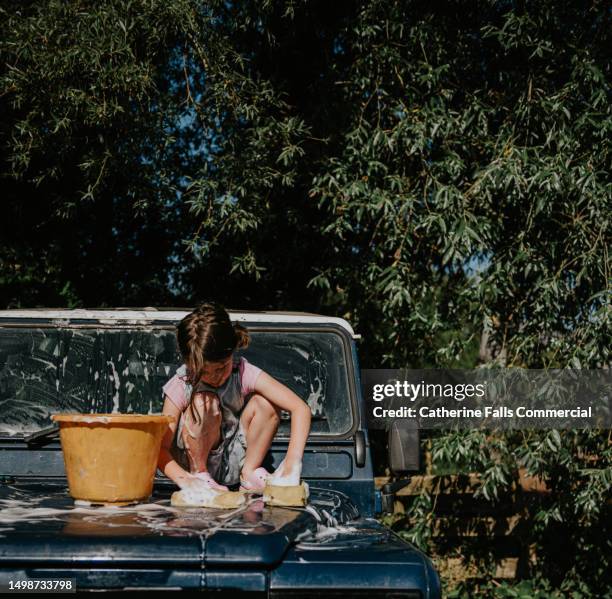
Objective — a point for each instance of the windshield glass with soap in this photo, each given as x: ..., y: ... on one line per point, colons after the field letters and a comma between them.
x: 44, y: 371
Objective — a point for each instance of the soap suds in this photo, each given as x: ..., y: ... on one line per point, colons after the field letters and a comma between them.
x: 324, y: 537
x: 314, y: 512
x: 281, y: 478
x: 333, y: 531
x: 16, y: 510
x: 195, y: 491
x: 330, y: 518
x: 302, y: 352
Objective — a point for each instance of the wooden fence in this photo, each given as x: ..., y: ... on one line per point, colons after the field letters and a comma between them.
x: 471, y: 536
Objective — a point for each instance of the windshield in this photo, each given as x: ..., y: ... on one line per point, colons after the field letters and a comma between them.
x: 49, y: 370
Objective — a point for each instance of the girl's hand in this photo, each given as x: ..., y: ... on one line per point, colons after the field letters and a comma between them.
x: 185, y: 480
x: 200, y: 483
x: 194, y: 490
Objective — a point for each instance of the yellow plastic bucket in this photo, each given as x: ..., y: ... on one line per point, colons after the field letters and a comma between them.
x: 111, y: 458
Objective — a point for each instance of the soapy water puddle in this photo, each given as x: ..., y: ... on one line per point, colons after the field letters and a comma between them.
x: 80, y: 517
x: 332, y: 535
x: 57, y: 512
x: 13, y: 511
x: 60, y: 513
x: 340, y: 537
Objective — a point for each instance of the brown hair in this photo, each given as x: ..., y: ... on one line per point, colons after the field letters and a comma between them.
x: 207, y: 335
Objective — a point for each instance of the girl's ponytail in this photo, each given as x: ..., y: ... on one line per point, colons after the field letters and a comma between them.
x: 242, y: 336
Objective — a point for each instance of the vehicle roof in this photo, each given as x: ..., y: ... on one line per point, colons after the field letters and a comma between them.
x: 148, y: 314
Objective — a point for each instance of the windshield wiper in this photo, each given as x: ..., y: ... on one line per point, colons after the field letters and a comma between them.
x: 42, y: 437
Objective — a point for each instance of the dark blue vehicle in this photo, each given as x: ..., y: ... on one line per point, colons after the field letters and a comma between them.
x: 102, y: 361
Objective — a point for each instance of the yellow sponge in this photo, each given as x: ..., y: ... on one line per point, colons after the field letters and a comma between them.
x: 294, y: 496
x: 216, y: 499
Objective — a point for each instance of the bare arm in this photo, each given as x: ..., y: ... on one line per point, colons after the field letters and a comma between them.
x: 280, y: 395
x: 166, y: 463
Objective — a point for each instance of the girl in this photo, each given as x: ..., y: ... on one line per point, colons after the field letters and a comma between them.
x: 226, y: 411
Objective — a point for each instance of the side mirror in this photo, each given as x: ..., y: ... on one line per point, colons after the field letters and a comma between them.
x: 404, y: 447
x: 404, y: 458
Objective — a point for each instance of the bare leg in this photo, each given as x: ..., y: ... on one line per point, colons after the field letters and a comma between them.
x: 260, y: 421
x: 200, y: 437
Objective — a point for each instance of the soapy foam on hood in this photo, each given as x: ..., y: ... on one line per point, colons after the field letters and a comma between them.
x: 324, y: 537
x: 332, y: 531
x: 314, y: 512
x: 14, y: 510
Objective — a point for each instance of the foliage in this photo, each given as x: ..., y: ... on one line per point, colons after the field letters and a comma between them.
x: 539, y: 589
